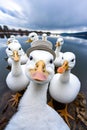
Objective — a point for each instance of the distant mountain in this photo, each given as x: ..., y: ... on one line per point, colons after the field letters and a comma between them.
x: 77, y: 34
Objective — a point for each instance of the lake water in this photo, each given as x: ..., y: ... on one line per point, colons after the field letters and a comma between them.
x: 76, y: 45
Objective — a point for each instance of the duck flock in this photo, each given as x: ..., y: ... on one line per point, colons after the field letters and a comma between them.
x: 38, y: 70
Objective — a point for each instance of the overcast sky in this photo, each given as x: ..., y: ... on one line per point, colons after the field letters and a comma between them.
x: 44, y: 14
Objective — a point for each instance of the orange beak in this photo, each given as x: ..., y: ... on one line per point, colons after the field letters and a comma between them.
x: 15, y: 56
x: 63, y: 68
x: 28, y: 41
x: 57, y: 44
x: 8, y: 42
x: 39, y: 73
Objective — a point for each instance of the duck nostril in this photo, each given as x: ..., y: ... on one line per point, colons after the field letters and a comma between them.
x: 35, y: 69
x: 40, y: 66
x: 37, y: 66
x: 44, y: 70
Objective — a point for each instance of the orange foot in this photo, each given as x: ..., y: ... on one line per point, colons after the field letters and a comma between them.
x: 65, y: 113
x: 15, y: 99
x: 50, y: 103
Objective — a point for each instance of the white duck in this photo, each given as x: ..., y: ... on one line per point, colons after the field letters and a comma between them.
x: 59, y: 54
x: 44, y: 36
x: 65, y: 86
x: 16, y: 79
x: 23, y: 58
x: 32, y: 37
x: 9, y: 40
x: 33, y: 111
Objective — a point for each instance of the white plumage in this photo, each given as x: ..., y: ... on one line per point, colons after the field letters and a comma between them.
x: 59, y: 54
x: 44, y: 36
x: 16, y: 78
x: 9, y: 40
x: 23, y: 58
x: 32, y: 37
x: 33, y: 111
x: 65, y: 87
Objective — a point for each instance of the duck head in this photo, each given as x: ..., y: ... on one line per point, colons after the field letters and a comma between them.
x: 40, y: 67
x: 14, y: 50
x: 68, y: 62
x: 32, y: 37
x: 44, y: 36
x: 59, y: 42
x: 12, y: 37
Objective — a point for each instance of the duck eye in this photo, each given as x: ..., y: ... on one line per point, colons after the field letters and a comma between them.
x: 32, y: 36
x: 72, y: 60
x: 31, y: 57
x: 20, y: 48
x: 51, y: 61
x: 62, y: 58
x: 9, y: 49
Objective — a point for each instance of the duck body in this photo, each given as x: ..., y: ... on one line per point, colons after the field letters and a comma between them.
x: 33, y: 111
x: 64, y: 91
x: 24, y: 58
x: 16, y: 79
x: 35, y: 116
x: 58, y: 59
x: 65, y: 86
x: 59, y: 54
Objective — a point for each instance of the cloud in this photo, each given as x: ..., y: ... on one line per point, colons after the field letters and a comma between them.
x: 46, y: 14
x: 11, y: 14
x: 59, y: 14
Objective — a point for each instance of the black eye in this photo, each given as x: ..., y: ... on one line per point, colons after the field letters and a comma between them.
x: 32, y: 36
x: 20, y: 48
x: 31, y: 57
x: 62, y: 58
x: 51, y: 61
x: 9, y: 49
x: 72, y: 60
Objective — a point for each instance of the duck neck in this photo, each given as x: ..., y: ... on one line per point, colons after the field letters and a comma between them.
x: 35, y: 95
x: 57, y: 50
x: 36, y: 38
x: 65, y: 76
x: 16, y: 68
